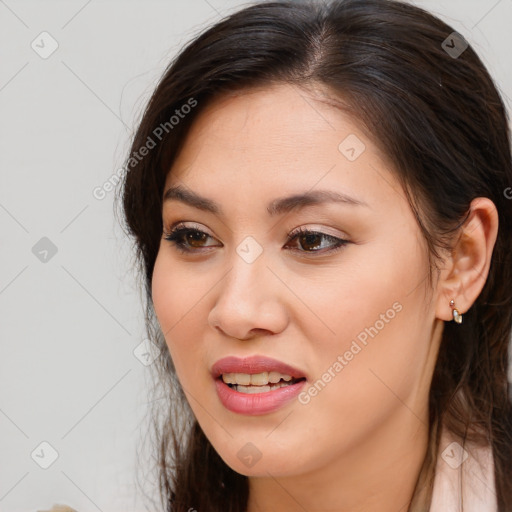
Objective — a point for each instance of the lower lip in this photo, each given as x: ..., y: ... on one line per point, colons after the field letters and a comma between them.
x: 256, y: 403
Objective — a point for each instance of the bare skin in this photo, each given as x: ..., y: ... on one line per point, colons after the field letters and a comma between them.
x: 357, y: 444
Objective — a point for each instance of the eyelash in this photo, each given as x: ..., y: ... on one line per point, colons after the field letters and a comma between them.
x: 176, y: 235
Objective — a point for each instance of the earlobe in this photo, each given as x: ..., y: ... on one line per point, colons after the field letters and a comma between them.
x: 469, y: 262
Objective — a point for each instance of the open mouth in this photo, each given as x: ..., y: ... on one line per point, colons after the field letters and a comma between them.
x: 258, y: 383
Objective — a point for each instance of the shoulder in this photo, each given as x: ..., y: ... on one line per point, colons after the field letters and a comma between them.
x: 59, y: 508
x: 464, y: 479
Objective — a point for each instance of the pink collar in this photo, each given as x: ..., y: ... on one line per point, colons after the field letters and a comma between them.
x: 464, y: 479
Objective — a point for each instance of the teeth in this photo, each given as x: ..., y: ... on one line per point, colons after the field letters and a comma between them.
x: 252, y: 389
x: 258, y: 389
x: 274, y: 377
x: 256, y: 379
x: 259, y: 379
x: 237, y: 378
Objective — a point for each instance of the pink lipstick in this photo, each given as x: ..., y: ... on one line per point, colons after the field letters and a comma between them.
x: 256, y: 385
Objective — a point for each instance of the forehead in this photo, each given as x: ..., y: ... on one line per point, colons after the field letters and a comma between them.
x: 279, y: 140
x: 266, y: 117
x: 279, y: 125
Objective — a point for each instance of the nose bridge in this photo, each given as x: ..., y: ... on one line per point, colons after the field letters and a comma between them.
x: 248, y: 273
x: 248, y: 297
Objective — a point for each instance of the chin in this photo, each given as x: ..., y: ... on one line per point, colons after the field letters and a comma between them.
x: 249, y: 462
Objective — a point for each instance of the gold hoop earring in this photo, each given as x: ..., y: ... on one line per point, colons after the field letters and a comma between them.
x: 457, y: 317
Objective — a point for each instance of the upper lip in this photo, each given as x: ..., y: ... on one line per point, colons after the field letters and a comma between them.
x: 252, y: 365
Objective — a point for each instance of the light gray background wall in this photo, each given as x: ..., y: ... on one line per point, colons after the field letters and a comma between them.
x: 69, y: 325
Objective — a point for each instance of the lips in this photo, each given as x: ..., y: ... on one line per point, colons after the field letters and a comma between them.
x: 254, y: 365
x: 256, y: 399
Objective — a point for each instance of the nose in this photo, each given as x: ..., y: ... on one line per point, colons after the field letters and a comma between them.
x: 250, y: 300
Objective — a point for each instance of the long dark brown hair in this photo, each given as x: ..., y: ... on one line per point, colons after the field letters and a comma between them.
x: 436, y: 114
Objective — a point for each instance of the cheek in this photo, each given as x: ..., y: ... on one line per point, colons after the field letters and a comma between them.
x: 360, y: 297
x: 374, y: 379
x: 377, y: 355
x: 179, y: 308
x: 177, y: 292
x: 168, y: 304
x: 163, y: 292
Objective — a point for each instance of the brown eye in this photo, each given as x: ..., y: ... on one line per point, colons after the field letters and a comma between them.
x: 190, y: 240
x: 194, y: 237
x: 311, y: 241
x: 187, y: 239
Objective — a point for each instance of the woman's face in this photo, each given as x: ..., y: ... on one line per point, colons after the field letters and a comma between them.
x: 347, y: 307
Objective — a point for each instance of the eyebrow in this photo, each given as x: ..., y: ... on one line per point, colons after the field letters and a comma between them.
x: 277, y: 207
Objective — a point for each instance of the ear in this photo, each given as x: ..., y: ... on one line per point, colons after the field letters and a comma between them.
x: 466, y: 269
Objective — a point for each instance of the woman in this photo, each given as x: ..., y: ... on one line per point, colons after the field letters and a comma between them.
x: 318, y: 200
